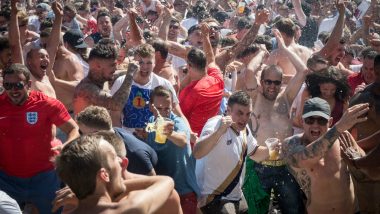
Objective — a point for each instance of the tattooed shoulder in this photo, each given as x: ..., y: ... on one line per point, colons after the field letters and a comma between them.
x: 292, y: 146
x: 86, y: 90
x: 281, y: 105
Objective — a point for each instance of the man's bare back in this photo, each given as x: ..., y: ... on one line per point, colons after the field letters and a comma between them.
x: 67, y: 68
x: 277, y: 57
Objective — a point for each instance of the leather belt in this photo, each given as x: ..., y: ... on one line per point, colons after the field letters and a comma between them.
x: 273, y: 163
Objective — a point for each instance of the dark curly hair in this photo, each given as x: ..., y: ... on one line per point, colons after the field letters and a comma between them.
x: 328, y: 75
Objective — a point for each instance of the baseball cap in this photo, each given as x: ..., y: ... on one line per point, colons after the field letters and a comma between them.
x: 43, y: 7
x: 316, y: 107
x: 75, y: 38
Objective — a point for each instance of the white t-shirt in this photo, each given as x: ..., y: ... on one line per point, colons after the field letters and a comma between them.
x: 35, y: 22
x: 189, y: 22
x: 328, y: 24
x: 84, y: 64
x: 136, y: 111
x: 213, y: 169
x: 151, y: 7
x: 356, y: 68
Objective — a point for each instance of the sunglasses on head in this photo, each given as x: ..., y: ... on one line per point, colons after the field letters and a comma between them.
x: 17, y: 86
x: 320, y: 120
x: 270, y: 82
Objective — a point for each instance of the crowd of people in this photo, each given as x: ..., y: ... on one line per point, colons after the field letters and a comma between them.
x: 200, y: 106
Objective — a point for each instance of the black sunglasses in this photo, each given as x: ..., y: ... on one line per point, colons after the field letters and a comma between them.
x: 215, y: 28
x: 270, y: 82
x: 320, y: 120
x: 17, y: 86
x: 174, y: 27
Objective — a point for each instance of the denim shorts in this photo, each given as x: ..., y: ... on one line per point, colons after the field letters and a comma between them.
x: 38, y: 190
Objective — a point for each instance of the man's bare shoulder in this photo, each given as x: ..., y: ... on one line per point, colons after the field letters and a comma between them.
x: 293, y: 142
x: 86, y: 88
x: 290, y: 146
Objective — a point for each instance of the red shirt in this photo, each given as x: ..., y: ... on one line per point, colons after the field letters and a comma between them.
x: 354, y: 80
x: 25, y: 134
x: 201, y: 99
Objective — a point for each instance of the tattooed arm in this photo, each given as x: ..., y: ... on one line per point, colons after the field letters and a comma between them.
x: 225, y: 57
x: 304, y: 181
x: 300, y: 156
x: 94, y: 95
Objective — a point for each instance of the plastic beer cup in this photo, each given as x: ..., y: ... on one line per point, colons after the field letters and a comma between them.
x: 271, y: 144
x: 160, y: 125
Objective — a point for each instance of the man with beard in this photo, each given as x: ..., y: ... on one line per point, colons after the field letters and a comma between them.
x: 104, y: 30
x: 271, y: 120
x: 89, y: 91
x: 136, y: 111
x: 100, y: 184
x: 26, y: 142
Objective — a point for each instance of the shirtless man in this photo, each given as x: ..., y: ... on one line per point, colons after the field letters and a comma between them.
x: 163, y: 68
x: 104, y: 29
x: 288, y: 29
x: 334, y: 50
x: 222, y: 57
x: 366, y: 187
x: 40, y: 62
x: 69, y: 72
x: 102, y: 62
x: 100, y: 185
x: 315, y: 157
x: 271, y: 120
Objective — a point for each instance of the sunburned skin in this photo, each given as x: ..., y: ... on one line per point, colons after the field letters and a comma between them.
x: 272, y: 118
x: 279, y: 58
x: 90, y: 92
x: 317, y: 180
x: 67, y: 68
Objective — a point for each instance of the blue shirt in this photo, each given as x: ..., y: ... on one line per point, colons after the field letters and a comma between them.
x: 142, y: 158
x: 174, y: 161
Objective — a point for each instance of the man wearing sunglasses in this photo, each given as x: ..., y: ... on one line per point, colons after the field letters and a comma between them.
x: 315, y: 158
x: 26, y: 141
x: 271, y: 120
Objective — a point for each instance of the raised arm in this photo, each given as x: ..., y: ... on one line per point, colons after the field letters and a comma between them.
x: 136, y: 35
x: 207, y: 48
x: 301, y: 17
x: 164, y: 29
x: 225, y: 57
x: 14, y: 35
x: 337, y: 32
x: 295, y: 83
x: 119, y: 27
x: 53, y: 42
x: 306, y: 156
x: 206, y: 144
x: 251, y: 78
